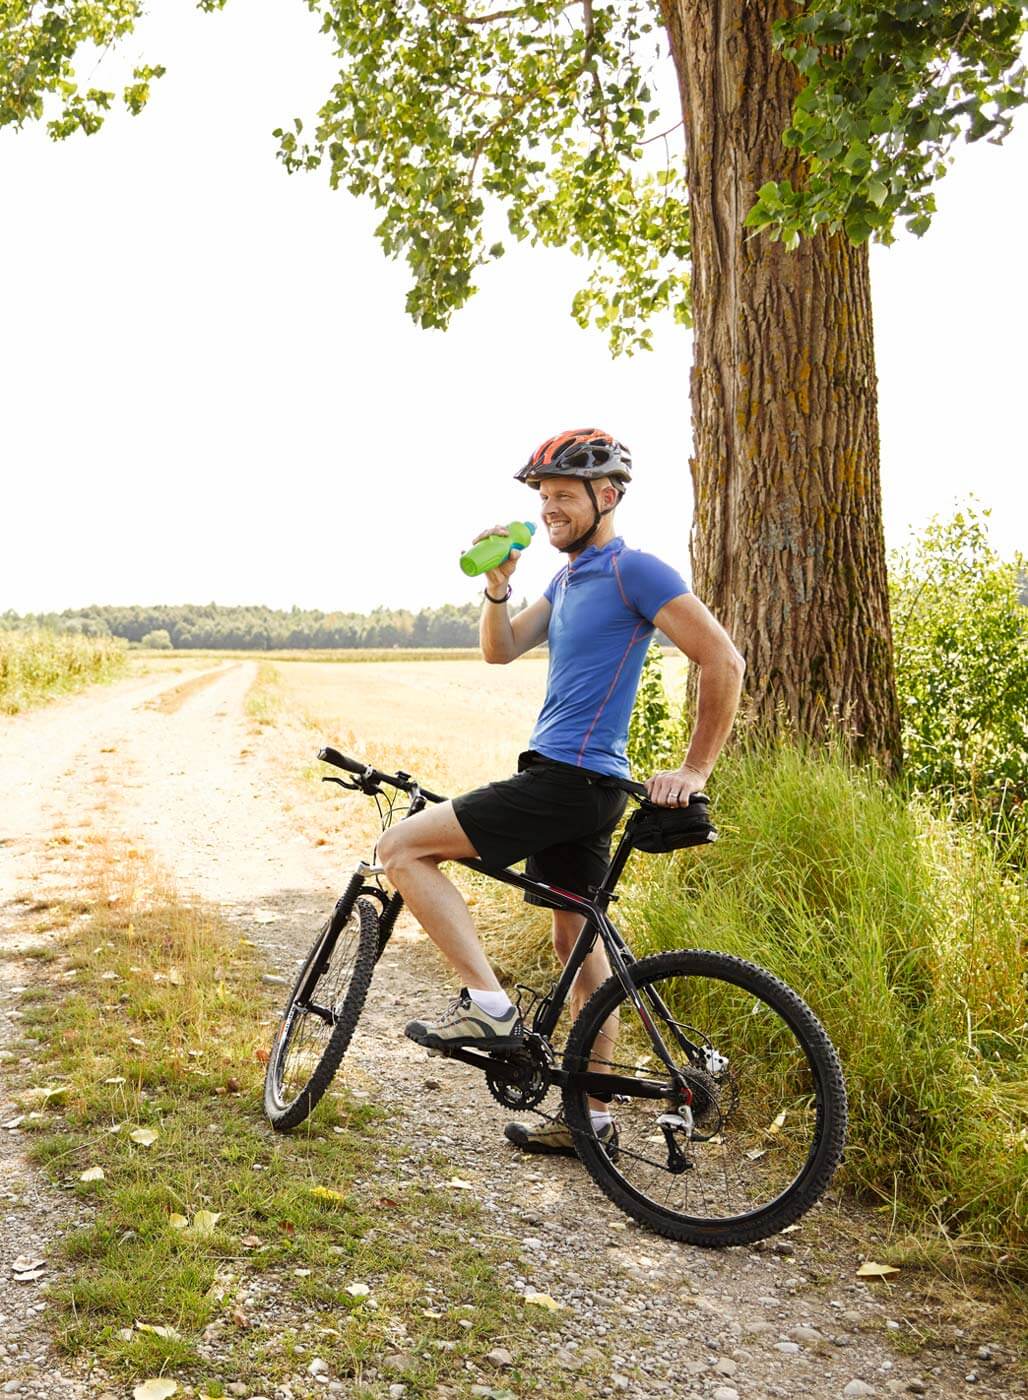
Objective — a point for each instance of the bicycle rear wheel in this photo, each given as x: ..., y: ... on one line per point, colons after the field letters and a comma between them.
x: 768, y: 1099
x: 322, y: 1012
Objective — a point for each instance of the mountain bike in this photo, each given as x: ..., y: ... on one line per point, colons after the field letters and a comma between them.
x: 727, y: 1093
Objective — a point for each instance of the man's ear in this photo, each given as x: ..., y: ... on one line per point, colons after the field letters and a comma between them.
x: 610, y: 495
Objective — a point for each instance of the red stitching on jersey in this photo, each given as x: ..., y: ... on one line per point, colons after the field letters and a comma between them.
x: 610, y: 692
x: 617, y: 575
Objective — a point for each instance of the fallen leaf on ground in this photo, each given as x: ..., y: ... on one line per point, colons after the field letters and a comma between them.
x: 115, y: 1079
x: 325, y: 1193
x: 262, y: 1056
x: 461, y: 1185
x: 177, y: 1221
x: 543, y: 1300
x: 92, y: 1174
x: 204, y: 1221
x: 778, y: 1124
x: 159, y: 1388
x: 146, y: 1137
x: 239, y: 1317
x: 873, y: 1270
x: 251, y: 1241
x: 168, y: 1333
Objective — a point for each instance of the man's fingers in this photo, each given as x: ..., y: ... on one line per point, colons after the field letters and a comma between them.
x: 493, y: 530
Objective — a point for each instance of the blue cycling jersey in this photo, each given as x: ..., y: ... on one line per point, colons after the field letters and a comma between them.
x: 603, y: 605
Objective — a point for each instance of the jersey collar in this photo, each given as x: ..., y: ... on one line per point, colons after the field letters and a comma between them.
x: 614, y: 546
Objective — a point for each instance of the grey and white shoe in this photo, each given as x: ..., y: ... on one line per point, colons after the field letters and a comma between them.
x: 552, y: 1136
x: 464, y: 1023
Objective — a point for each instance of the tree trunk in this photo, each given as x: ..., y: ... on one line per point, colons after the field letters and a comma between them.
x: 787, y: 544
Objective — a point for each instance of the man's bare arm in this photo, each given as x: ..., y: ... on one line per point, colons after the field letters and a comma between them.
x: 504, y: 638
x: 697, y: 633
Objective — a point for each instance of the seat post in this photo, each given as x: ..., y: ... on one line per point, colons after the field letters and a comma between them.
x: 617, y: 864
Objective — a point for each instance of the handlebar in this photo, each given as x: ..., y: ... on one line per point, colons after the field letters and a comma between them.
x: 372, y: 777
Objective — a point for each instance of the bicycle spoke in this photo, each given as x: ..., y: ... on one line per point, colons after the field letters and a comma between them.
x: 754, y: 1096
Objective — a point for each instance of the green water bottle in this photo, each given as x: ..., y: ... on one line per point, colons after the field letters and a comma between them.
x: 494, y: 550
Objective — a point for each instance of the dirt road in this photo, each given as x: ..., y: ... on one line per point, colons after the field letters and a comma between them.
x: 176, y: 766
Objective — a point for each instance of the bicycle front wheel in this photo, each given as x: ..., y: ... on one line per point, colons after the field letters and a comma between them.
x: 322, y: 1012
x: 765, y: 1129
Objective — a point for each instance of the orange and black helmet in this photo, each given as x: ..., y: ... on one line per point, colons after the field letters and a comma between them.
x: 585, y: 452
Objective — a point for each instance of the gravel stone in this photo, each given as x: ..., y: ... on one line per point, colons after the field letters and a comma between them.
x: 857, y: 1388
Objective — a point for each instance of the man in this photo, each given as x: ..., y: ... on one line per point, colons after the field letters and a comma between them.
x: 598, y: 615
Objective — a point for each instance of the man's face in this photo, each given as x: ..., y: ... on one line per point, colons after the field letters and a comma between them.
x: 566, y: 509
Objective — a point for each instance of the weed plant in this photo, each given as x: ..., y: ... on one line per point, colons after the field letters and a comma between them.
x: 38, y: 663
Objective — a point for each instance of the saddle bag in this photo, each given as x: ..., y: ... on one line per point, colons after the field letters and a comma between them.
x: 658, y: 830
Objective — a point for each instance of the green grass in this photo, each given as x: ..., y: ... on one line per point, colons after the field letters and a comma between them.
x: 907, y: 937
x: 164, y: 1027
x: 36, y: 663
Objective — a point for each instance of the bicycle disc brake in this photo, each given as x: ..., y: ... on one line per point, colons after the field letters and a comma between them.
x: 519, y: 1080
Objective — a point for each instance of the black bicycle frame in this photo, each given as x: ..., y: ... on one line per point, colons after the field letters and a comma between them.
x: 594, y: 911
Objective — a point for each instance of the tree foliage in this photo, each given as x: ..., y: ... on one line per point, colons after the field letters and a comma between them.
x: 961, y: 641
x: 890, y: 86
x: 441, y: 111
x: 455, y: 119
x: 40, y: 46
x: 211, y: 626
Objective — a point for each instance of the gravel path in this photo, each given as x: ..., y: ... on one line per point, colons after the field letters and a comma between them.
x: 188, y: 777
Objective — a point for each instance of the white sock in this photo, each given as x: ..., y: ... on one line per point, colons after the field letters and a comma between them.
x: 600, y: 1119
x: 492, y: 1003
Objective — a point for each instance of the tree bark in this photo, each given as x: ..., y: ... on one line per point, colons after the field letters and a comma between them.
x: 787, y: 545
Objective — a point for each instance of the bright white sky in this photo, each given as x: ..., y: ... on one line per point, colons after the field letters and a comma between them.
x: 213, y: 392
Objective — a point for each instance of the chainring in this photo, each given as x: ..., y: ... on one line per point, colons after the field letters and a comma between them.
x: 519, y: 1080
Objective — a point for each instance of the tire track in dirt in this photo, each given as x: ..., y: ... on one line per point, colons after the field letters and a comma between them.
x: 210, y: 799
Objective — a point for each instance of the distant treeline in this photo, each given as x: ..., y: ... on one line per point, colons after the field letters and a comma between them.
x: 189, y: 628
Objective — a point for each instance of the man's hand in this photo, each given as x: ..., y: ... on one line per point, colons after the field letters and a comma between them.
x: 674, y: 787
x: 498, y: 579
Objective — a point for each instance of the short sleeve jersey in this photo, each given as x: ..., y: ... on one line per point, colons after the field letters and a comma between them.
x: 602, y: 608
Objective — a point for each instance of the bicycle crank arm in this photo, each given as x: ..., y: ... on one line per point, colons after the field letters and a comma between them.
x: 600, y: 1085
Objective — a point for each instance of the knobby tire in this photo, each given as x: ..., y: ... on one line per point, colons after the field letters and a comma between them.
x: 285, y: 1114
x: 826, y: 1134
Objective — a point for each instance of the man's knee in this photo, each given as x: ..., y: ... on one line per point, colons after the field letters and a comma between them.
x: 396, y: 849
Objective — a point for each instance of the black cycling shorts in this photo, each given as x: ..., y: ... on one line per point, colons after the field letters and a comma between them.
x: 559, y: 817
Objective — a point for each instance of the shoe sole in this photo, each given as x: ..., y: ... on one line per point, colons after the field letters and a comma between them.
x: 540, y: 1149
x: 466, y: 1042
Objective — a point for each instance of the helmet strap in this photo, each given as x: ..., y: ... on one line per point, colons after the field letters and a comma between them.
x: 598, y: 515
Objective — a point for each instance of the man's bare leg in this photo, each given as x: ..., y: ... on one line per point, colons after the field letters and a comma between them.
x: 411, y: 851
x: 595, y: 970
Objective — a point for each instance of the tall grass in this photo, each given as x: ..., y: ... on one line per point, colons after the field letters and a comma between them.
x: 37, y: 663
x: 907, y: 937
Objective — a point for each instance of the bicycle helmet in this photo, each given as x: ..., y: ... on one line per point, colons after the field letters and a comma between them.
x: 587, y: 453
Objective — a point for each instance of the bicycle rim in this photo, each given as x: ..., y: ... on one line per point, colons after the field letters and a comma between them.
x: 768, y: 1111
x: 321, y: 1014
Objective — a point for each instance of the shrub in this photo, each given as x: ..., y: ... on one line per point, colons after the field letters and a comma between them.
x: 906, y: 936
x: 160, y: 640
x: 961, y: 645
x: 36, y: 663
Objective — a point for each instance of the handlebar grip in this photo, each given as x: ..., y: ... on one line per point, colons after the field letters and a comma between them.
x: 339, y: 760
